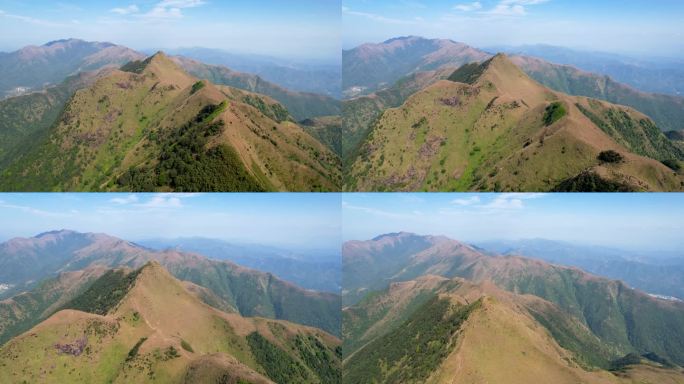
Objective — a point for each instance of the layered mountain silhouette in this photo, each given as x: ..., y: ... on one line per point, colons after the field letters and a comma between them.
x: 428, y: 309
x: 54, y: 267
x: 144, y: 325
x: 34, y: 67
x: 491, y: 127
x: 151, y: 126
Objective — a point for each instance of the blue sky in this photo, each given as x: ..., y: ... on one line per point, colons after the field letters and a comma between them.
x: 650, y: 27
x: 639, y: 221
x: 308, y: 29
x: 302, y: 221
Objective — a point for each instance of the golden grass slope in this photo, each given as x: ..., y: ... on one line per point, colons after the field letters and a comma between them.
x: 491, y: 135
x: 500, y: 342
x: 112, y: 126
x: 179, y: 338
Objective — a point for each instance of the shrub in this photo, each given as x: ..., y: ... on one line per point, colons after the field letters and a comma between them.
x: 186, y: 346
x: 197, y: 86
x: 610, y: 156
x: 554, y: 112
x: 134, y: 351
x: 673, y: 164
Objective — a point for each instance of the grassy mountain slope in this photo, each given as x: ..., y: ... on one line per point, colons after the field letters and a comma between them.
x: 623, y: 319
x: 25, y: 119
x: 153, y: 330
x: 665, y: 110
x: 491, y: 127
x: 498, y: 339
x: 327, y: 129
x: 21, y: 312
x: 301, y: 105
x: 250, y: 292
x: 33, y: 67
x: 361, y: 112
x: 151, y: 126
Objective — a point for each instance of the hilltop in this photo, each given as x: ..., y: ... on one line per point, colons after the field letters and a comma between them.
x: 490, y: 126
x: 477, y: 333
x: 54, y: 267
x: 145, y: 326
x: 151, y: 126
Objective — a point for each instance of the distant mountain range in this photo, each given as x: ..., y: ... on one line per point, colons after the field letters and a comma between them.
x: 144, y: 325
x: 428, y: 309
x: 34, y: 67
x: 317, y: 271
x: 489, y: 126
x: 660, y: 275
x: 664, y: 76
x: 322, y: 78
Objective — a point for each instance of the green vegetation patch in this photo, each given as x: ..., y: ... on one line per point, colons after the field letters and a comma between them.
x: 414, y: 350
x: 278, y: 364
x: 611, y: 157
x: 273, y: 111
x: 554, y: 112
x: 185, y: 163
x: 136, y: 66
x: 105, y: 293
x: 319, y: 358
x: 185, y: 345
x: 134, y: 351
x: 197, y: 86
x: 673, y: 164
x: 468, y: 73
x: 592, y: 182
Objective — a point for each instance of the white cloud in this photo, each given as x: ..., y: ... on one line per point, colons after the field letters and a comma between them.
x: 34, y: 211
x: 164, y: 13
x: 180, y: 3
x: 375, y: 17
x: 474, y: 6
x: 467, y: 201
x: 126, y: 10
x: 511, y: 200
x: 501, y: 201
x: 162, y: 201
x: 130, y: 199
x: 513, y: 7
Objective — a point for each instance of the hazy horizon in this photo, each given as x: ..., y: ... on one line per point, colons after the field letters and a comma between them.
x: 308, y: 29
x: 635, y: 222
x: 286, y: 220
x: 637, y: 28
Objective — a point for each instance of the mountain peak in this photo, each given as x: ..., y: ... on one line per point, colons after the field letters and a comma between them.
x: 60, y: 232
x: 472, y: 72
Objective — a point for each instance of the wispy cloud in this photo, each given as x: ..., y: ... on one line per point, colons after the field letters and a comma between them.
x: 130, y: 199
x: 375, y: 211
x: 30, y: 20
x: 513, y: 7
x: 474, y: 6
x: 502, y: 8
x: 504, y: 201
x: 376, y: 17
x: 36, y: 211
x: 126, y: 10
x: 466, y: 201
x: 171, y: 9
